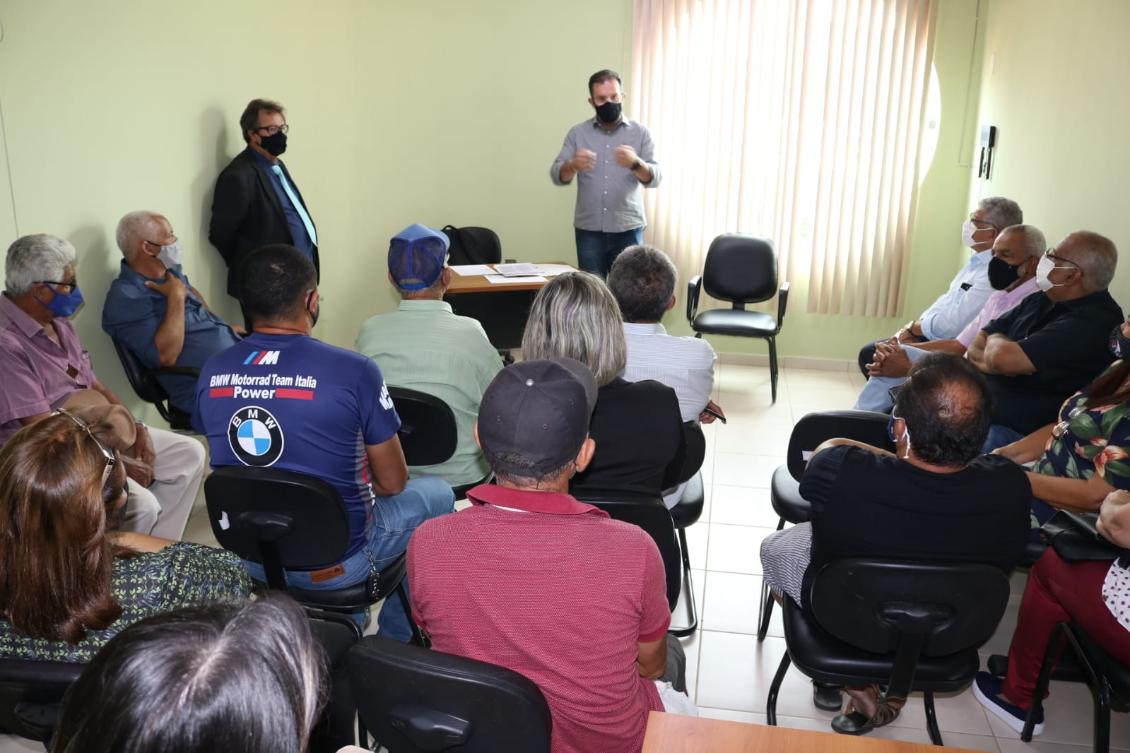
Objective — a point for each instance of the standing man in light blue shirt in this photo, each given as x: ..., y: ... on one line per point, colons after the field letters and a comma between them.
x: 969, y: 289
x: 424, y: 346
x: 612, y: 158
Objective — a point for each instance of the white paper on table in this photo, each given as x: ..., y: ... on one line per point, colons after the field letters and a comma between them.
x: 503, y: 280
x: 470, y: 270
x: 518, y: 269
x: 552, y: 270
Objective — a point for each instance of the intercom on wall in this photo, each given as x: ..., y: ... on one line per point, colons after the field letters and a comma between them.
x: 988, y: 142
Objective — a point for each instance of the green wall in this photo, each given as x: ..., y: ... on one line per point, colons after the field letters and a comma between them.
x: 1054, y: 82
x: 433, y: 111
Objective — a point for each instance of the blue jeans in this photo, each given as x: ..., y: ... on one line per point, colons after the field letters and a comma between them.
x: 390, y: 527
x: 596, y: 250
x: 999, y: 436
x: 876, y: 394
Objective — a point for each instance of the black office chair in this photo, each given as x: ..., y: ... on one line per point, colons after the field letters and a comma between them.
x: 784, y: 488
x: 290, y: 521
x: 148, y: 388
x: 650, y: 514
x: 31, y: 696
x: 414, y: 701
x: 1107, y: 678
x: 428, y: 433
x: 472, y: 245
x: 741, y: 269
x: 906, y: 625
x: 687, y: 512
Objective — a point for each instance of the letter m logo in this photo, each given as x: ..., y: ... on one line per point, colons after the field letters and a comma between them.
x: 270, y: 357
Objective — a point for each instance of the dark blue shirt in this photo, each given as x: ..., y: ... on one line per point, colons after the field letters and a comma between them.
x: 133, y: 313
x: 296, y: 403
x: 298, y: 232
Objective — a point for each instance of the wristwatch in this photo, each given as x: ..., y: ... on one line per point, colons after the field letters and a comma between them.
x: 638, y: 165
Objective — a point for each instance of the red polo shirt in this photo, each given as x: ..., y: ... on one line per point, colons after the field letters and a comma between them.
x: 556, y: 590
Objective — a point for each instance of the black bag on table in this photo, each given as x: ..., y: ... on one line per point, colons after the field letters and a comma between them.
x: 473, y: 245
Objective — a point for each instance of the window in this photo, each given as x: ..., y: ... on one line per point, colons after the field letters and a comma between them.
x: 799, y: 120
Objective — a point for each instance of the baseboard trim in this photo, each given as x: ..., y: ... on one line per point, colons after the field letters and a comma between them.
x: 796, y: 362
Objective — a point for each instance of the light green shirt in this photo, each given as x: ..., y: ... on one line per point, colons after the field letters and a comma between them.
x: 424, y: 346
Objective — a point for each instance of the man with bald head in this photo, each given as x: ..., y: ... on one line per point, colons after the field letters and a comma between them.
x: 154, y: 311
x: 934, y: 499
x: 1053, y: 343
x: 1012, y: 275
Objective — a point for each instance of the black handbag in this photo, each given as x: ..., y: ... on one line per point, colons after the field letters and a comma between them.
x: 1075, y: 538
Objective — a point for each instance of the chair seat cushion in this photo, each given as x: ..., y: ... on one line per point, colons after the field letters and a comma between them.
x: 348, y: 598
x: 689, y: 509
x: 825, y: 658
x: 784, y: 494
x: 734, y: 322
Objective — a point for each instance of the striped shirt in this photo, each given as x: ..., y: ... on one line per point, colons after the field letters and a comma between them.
x: 685, y: 364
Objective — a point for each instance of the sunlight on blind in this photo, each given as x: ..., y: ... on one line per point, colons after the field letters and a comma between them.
x: 799, y: 120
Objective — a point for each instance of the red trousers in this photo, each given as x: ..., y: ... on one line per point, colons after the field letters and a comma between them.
x: 1057, y: 592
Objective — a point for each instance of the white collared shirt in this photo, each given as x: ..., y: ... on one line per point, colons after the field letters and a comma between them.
x: 685, y: 364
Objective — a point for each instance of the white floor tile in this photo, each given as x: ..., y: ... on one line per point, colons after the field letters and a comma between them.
x: 698, y: 540
x: 731, y: 602
x: 742, y: 506
x: 735, y: 549
x: 732, y: 469
x: 13, y: 744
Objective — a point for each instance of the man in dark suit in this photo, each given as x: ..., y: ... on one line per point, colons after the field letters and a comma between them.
x: 256, y: 202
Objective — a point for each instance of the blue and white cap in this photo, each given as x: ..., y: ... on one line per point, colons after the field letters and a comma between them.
x: 417, y: 256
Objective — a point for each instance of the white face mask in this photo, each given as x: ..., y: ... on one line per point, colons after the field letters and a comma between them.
x: 171, y: 255
x: 967, y: 231
x: 1043, y: 269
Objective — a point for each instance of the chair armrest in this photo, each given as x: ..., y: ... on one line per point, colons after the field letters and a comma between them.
x: 693, y: 288
x: 174, y: 371
x: 782, y: 303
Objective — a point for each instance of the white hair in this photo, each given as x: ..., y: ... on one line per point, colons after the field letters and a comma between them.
x: 1001, y: 212
x: 1095, y: 254
x: 1034, y: 242
x: 141, y: 224
x: 36, y: 258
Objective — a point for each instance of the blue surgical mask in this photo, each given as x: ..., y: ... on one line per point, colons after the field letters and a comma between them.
x: 65, y: 304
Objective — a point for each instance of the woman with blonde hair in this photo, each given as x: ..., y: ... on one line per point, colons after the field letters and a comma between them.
x: 68, y: 582
x: 637, y: 426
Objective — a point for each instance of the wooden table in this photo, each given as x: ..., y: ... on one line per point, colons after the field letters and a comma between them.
x: 502, y: 309
x: 673, y: 733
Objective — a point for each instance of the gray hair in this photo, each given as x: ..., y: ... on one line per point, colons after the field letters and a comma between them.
x: 1034, y: 242
x: 1095, y: 254
x: 1001, y: 212
x: 643, y: 280
x: 141, y: 224
x: 36, y: 258
x: 575, y: 316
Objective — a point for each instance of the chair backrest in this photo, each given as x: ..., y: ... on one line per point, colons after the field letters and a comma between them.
x: 140, y: 378
x: 414, y: 700
x: 473, y: 245
x: 280, y: 519
x: 814, y: 428
x: 428, y: 433
x: 650, y: 514
x: 31, y: 695
x: 740, y: 268
x: 878, y: 605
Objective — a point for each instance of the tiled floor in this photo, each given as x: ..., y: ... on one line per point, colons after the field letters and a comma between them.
x: 728, y: 670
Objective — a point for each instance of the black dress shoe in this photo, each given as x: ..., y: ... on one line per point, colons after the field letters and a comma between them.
x: 826, y: 697
x: 854, y: 723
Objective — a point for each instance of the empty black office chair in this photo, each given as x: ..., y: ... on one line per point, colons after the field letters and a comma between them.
x: 148, y: 388
x: 414, y: 700
x: 290, y: 521
x: 650, y: 514
x: 428, y: 433
x: 741, y: 269
x: 905, y: 625
x: 31, y: 695
x: 1107, y: 678
x: 784, y: 488
x: 473, y: 245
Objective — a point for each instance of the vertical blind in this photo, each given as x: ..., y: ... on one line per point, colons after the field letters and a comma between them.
x: 799, y: 120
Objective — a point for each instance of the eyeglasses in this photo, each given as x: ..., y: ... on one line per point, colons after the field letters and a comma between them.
x: 975, y: 221
x: 272, y: 130
x: 1050, y: 253
x: 107, y: 453
x: 1061, y: 428
x: 72, y: 284
x: 161, y: 245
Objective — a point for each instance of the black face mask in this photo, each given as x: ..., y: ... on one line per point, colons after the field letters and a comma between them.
x: 609, y: 112
x: 1119, y: 343
x: 1002, y: 274
x: 274, y: 145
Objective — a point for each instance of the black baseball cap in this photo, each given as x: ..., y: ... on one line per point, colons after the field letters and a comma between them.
x: 534, y: 416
